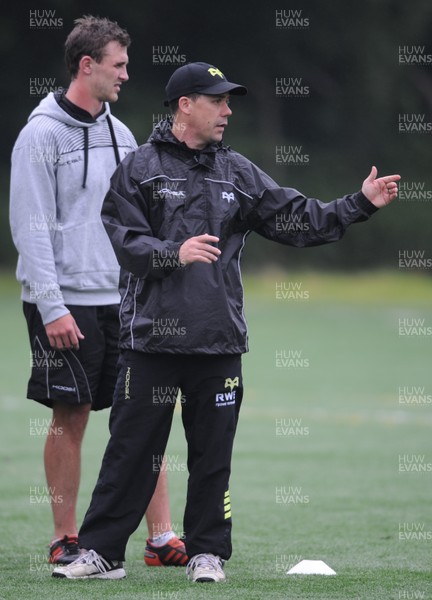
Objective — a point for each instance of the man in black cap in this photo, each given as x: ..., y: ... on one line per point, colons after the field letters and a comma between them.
x: 178, y: 213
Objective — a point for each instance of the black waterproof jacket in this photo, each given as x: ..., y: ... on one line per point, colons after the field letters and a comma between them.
x: 164, y: 193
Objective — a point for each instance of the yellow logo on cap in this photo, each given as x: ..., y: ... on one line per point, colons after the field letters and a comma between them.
x: 214, y: 72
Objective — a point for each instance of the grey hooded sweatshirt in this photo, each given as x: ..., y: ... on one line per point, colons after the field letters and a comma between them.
x: 61, y: 167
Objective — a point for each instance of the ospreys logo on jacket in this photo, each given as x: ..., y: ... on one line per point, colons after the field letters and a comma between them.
x: 164, y: 193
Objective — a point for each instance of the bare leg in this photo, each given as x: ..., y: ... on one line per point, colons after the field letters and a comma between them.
x: 158, y: 514
x: 62, y: 458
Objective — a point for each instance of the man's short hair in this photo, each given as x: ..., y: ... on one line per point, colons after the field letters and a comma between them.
x: 174, y: 104
x: 89, y: 38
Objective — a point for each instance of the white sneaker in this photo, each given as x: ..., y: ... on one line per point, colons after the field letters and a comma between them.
x: 205, y: 568
x: 91, y: 565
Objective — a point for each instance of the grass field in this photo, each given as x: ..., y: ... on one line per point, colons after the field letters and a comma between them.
x: 333, y: 454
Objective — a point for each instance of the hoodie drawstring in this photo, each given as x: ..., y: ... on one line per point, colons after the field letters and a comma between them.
x: 86, y: 148
x: 85, y: 156
x: 114, y: 141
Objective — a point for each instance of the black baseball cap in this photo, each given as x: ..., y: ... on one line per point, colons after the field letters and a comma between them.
x: 200, y: 78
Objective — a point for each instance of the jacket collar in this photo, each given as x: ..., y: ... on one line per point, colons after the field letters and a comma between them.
x: 162, y: 134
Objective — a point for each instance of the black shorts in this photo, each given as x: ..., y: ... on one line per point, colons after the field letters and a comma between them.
x: 84, y: 376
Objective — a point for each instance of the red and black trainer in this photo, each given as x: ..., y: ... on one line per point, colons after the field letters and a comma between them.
x: 64, y: 551
x: 172, y: 554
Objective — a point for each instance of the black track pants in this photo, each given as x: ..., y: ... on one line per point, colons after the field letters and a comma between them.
x: 211, y: 392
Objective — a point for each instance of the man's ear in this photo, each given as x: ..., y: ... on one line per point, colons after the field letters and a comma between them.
x: 184, y: 104
x: 85, y: 65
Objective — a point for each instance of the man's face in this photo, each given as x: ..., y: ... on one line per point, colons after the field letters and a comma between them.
x: 208, y: 119
x: 109, y: 74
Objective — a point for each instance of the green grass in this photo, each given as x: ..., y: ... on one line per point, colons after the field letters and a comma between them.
x: 352, y: 501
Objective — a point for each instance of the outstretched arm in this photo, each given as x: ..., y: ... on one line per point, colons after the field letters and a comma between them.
x: 288, y: 217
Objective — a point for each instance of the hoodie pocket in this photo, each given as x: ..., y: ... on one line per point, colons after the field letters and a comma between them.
x: 88, y: 251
